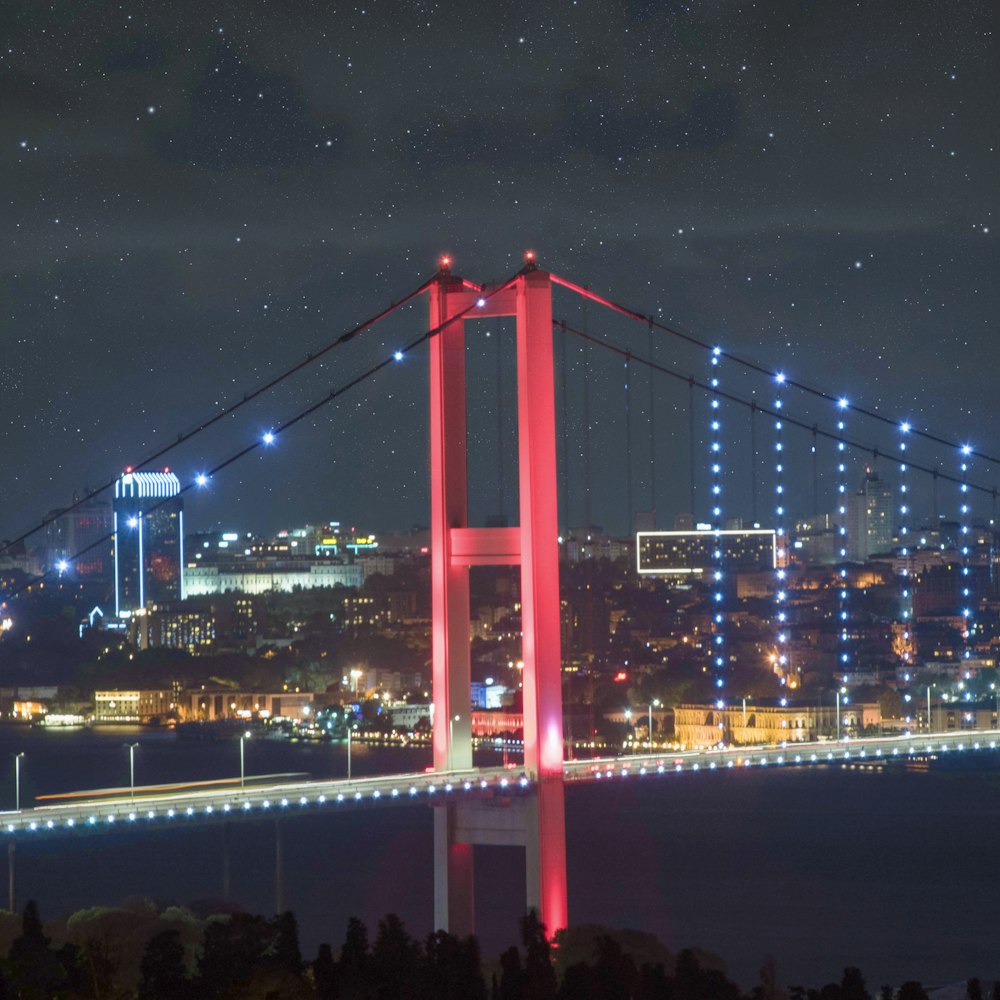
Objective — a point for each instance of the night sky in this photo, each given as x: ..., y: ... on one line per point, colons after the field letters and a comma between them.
x: 196, y: 195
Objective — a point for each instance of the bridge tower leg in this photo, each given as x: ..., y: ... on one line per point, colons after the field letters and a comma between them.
x: 539, y: 826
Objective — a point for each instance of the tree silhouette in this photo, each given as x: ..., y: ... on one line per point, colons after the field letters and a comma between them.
x: 354, y: 965
x: 511, y: 976
x: 162, y: 975
x: 286, y: 957
x: 395, y: 961
x: 325, y: 974
x: 539, y: 975
x: 451, y: 968
x: 37, y: 971
x: 852, y: 986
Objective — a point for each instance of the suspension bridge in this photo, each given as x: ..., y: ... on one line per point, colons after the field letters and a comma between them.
x: 526, y: 808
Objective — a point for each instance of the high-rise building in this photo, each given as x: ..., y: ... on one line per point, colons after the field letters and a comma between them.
x: 148, y: 518
x: 80, y: 531
x: 857, y: 527
x: 879, y: 507
x: 870, y: 518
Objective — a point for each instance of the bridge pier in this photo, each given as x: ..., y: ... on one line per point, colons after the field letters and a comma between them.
x: 536, y: 821
x: 454, y: 901
x: 11, y: 899
x: 533, y: 821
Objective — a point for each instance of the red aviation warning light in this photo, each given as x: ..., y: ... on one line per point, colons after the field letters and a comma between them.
x: 445, y: 263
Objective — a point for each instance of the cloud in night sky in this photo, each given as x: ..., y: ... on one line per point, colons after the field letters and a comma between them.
x: 241, y: 119
x: 194, y: 196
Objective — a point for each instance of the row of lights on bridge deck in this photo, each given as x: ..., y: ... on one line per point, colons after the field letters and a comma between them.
x: 624, y: 769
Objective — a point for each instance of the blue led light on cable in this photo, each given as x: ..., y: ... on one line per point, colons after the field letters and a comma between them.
x: 718, y: 639
x: 965, y: 551
x: 843, y: 654
x: 905, y: 553
x: 781, y: 544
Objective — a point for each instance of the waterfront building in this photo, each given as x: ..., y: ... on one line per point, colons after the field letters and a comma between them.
x: 772, y: 721
x: 199, y: 705
x: 266, y: 576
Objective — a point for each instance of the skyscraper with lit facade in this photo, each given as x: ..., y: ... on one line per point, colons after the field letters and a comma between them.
x: 148, y: 520
x: 80, y: 534
x: 880, y: 506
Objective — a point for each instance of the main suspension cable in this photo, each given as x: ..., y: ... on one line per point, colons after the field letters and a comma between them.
x: 764, y: 370
x: 228, y: 410
x: 803, y: 424
x: 272, y: 435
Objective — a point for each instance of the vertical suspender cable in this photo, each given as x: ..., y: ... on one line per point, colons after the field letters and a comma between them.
x: 652, y: 427
x: 718, y: 655
x: 905, y: 555
x: 842, y: 542
x: 501, y: 478
x: 587, y: 512
x: 563, y: 406
x: 629, y: 512
x: 781, y: 546
x: 815, y: 454
x: 691, y: 444
x: 965, y: 535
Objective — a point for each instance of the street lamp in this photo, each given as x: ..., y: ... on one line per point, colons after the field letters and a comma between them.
x: 840, y: 691
x: 243, y: 738
x: 131, y: 769
x: 17, y: 781
x: 656, y: 702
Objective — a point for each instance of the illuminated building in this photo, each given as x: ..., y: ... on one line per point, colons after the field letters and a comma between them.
x: 879, y: 507
x: 148, y: 524
x: 687, y: 553
x: 133, y: 706
x: 264, y: 576
x: 209, y: 705
x: 80, y: 530
x: 771, y: 721
x: 190, y: 629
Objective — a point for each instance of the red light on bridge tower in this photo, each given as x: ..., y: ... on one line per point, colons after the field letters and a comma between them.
x: 536, y: 822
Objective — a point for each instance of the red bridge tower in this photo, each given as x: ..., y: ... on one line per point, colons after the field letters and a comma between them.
x: 536, y: 822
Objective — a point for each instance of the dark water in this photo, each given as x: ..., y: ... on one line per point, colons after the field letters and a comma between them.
x: 896, y: 872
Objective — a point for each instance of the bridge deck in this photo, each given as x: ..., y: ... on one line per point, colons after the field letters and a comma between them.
x: 198, y: 806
